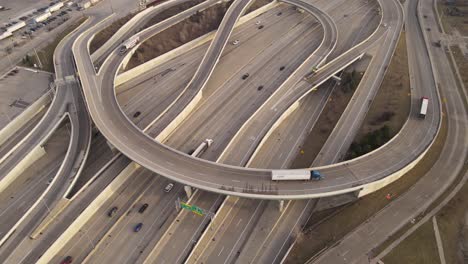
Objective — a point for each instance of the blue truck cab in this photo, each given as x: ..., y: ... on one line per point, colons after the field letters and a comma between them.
x: 315, y: 175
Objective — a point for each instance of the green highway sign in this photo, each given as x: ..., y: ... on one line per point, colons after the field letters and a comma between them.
x: 192, y: 208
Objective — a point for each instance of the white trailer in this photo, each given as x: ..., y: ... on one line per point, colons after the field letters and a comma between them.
x: 424, y: 105
x: 42, y: 17
x: 295, y: 175
x: 202, y: 147
x: 128, y: 44
x: 55, y: 7
x: 16, y: 26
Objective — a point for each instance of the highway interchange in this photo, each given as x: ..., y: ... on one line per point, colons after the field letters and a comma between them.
x: 204, y: 96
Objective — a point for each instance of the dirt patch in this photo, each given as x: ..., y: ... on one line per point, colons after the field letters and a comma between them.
x: 332, y: 112
x: 390, y: 108
x: 171, y: 12
x: 419, y: 247
x: 454, y: 16
x: 462, y: 63
x: 105, y: 34
x: 195, y: 26
x: 319, y: 235
x: 46, y: 55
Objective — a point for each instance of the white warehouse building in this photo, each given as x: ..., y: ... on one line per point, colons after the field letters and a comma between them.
x: 42, y: 17
x: 16, y: 26
x: 55, y: 7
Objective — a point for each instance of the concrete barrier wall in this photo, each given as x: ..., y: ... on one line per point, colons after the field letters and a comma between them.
x: 278, y: 122
x: 147, y: 66
x: 173, y: 125
x: 35, y: 154
x: 25, y: 117
x: 86, y: 215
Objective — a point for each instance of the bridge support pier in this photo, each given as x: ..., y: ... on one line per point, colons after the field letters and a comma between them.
x: 281, y: 205
x: 188, y: 191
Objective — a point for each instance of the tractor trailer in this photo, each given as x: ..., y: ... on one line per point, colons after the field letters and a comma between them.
x: 130, y: 43
x: 295, y: 175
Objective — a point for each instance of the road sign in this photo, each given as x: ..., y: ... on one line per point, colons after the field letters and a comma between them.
x: 195, y: 209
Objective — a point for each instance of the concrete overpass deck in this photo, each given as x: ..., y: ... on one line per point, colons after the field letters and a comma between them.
x: 392, y: 160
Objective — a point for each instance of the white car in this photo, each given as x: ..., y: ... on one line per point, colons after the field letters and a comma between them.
x: 169, y: 187
x: 235, y: 42
x: 258, y: 22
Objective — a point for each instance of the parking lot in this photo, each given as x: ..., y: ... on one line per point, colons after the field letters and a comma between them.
x: 18, y: 90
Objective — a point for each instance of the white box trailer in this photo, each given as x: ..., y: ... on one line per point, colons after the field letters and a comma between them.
x: 55, y: 7
x: 295, y: 175
x: 128, y: 44
x: 424, y: 106
x: 42, y: 17
x: 16, y: 26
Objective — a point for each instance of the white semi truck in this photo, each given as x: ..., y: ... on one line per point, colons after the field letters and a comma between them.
x: 295, y: 175
x: 128, y: 44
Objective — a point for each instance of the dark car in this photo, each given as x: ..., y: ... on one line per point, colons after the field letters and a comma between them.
x: 138, y: 227
x: 245, y: 76
x: 67, y: 260
x: 112, y: 211
x: 143, y: 208
x: 136, y: 114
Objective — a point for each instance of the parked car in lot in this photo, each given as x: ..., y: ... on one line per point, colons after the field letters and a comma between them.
x: 138, y: 227
x: 143, y: 208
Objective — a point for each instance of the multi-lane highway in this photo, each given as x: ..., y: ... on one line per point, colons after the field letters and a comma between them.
x: 249, y: 182
x: 230, y: 109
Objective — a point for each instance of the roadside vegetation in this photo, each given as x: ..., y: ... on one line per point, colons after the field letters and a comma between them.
x: 191, y: 28
x: 46, y: 54
x: 390, y: 107
x: 102, y: 36
x: 334, y: 108
x: 107, y: 33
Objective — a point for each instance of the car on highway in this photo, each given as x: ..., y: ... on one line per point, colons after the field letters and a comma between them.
x: 67, y: 260
x: 245, y: 76
x: 136, y: 114
x: 143, y: 208
x: 169, y: 187
x: 137, y: 227
x: 235, y: 42
x: 112, y: 211
x: 258, y: 22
